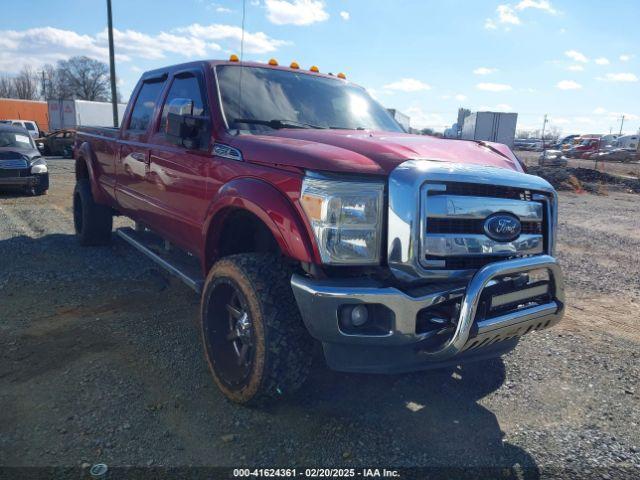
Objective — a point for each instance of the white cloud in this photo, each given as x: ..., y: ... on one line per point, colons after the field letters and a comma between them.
x: 576, y: 56
x: 422, y: 119
x: 506, y: 14
x: 543, y: 5
x: 503, y: 107
x: 493, y: 87
x: 37, y: 46
x: 223, y: 10
x: 560, y: 120
x: 620, y: 77
x: 599, y: 111
x: 568, y: 85
x: 257, y: 42
x: 345, y: 15
x: 602, y: 61
x: 575, y: 68
x: 296, y: 12
x: 489, y: 24
x: 460, y: 97
x: 484, y: 70
x: 625, y: 57
x: 408, y: 85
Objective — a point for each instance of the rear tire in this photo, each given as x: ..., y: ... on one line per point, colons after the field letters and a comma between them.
x: 247, y: 300
x: 93, y: 222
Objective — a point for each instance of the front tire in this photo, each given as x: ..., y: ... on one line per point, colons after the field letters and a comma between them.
x: 254, y: 339
x: 93, y: 222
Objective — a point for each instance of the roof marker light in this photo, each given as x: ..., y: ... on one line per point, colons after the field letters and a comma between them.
x: 273, y: 62
x: 294, y: 65
x: 342, y: 76
x: 314, y: 69
x: 234, y: 58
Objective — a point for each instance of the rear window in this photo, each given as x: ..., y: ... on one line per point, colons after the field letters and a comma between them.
x: 145, y: 105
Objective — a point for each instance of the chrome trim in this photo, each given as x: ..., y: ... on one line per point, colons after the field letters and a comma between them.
x: 479, y: 208
x: 225, y: 151
x: 464, y: 245
x: 319, y: 301
x: 410, y: 183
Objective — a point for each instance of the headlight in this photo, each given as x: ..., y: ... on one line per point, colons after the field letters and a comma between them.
x: 346, y: 218
x: 39, y: 166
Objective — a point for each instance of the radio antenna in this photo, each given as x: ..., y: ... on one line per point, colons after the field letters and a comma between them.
x: 244, y: 15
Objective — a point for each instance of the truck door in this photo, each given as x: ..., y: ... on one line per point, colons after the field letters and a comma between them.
x: 133, y: 192
x: 178, y: 174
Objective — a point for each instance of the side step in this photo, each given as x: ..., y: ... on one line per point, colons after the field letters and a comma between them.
x: 175, y: 261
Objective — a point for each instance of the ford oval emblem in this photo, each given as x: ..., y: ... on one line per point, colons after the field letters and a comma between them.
x: 502, y: 227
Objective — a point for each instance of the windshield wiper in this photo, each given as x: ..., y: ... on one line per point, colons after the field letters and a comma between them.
x: 277, y: 124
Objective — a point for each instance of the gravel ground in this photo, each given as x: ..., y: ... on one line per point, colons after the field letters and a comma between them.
x: 102, y: 362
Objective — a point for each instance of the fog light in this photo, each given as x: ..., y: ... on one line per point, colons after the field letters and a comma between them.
x: 359, y: 315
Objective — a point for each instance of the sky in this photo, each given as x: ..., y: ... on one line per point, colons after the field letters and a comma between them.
x: 576, y: 61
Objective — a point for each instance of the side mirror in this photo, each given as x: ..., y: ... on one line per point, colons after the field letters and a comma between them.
x: 182, y: 127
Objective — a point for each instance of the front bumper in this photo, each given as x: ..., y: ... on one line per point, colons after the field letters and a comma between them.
x: 403, y: 347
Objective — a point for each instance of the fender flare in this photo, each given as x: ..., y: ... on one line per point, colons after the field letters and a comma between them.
x: 269, y: 205
x: 85, y: 154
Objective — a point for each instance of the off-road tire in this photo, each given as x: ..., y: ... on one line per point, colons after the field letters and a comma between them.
x: 283, y: 348
x: 93, y: 222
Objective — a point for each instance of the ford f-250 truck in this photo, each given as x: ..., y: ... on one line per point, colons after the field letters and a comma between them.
x: 313, y: 218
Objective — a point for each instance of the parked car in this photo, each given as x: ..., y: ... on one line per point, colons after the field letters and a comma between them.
x: 586, y: 146
x: 57, y: 143
x: 29, y: 125
x: 552, y: 158
x: 627, y: 141
x: 21, y: 165
x: 313, y: 218
x: 624, y: 155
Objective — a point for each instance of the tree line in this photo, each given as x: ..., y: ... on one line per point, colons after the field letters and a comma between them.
x: 78, y: 78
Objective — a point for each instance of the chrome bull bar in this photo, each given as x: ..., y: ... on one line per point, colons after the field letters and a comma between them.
x: 459, y: 341
x: 320, y: 301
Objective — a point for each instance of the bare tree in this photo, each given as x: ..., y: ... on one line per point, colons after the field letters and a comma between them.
x: 25, y: 84
x: 83, y: 78
x: 7, y: 89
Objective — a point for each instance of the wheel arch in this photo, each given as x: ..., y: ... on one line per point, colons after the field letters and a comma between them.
x: 250, y: 198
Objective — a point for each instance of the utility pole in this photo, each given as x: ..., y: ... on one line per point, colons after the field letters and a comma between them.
x: 544, y: 124
x: 44, y: 90
x: 621, y: 124
x: 112, y: 67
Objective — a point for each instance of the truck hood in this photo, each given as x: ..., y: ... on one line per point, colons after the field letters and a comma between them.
x: 367, y: 152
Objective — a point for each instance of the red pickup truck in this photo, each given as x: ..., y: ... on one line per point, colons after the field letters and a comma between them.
x: 314, y: 219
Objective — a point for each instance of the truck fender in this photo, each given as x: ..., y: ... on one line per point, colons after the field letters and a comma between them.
x: 269, y: 205
x: 85, y: 154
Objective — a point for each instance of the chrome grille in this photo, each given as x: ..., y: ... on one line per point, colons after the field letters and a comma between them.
x: 453, y: 224
x: 437, y: 218
x: 13, y: 164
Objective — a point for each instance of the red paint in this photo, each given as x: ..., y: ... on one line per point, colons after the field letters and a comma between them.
x: 186, y: 194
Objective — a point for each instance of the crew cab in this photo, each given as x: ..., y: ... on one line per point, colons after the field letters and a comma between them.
x: 313, y: 218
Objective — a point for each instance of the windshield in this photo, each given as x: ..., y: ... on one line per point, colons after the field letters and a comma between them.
x: 16, y: 140
x: 285, y: 99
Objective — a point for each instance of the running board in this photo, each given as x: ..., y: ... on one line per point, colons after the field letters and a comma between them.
x: 174, y: 261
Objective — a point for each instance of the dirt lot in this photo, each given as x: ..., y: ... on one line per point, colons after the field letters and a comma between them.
x: 617, y: 168
x: 101, y: 361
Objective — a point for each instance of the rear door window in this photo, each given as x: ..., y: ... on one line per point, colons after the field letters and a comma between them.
x: 146, y: 102
x: 30, y: 126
